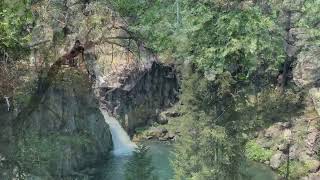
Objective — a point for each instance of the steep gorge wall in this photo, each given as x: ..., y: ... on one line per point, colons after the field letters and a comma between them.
x: 138, y: 101
x: 64, y: 127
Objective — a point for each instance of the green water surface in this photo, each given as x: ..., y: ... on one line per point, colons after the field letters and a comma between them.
x: 114, y: 168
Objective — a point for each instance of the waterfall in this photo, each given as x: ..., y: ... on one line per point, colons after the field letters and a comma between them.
x: 8, y: 102
x: 122, y: 145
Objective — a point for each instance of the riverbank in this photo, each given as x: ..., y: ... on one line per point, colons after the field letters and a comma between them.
x: 161, y: 152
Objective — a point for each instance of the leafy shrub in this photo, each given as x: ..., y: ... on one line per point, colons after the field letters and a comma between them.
x: 257, y: 153
x: 296, y: 169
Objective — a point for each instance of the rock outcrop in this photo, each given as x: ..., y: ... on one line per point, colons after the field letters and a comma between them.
x: 315, y: 96
x: 66, y: 122
x: 299, y: 140
x: 139, y: 100
x: 277, y: 160
x: 306, y: 72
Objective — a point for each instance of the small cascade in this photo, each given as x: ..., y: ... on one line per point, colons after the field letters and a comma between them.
x: 122, y: 145
x: 8, y: 102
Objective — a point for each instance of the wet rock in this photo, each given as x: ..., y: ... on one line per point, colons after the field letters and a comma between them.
x: 277, y: 160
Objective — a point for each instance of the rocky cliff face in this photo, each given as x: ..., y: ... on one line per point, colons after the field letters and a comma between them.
x: 64, y: 127
x: 298, y: 140
x: 142, y: 96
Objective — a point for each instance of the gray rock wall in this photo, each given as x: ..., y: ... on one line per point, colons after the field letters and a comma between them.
x: 139, y: 100
x: 67, y: 116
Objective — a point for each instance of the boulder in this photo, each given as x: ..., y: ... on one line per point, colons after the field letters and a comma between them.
x: 163, y: 139
x: 166, y: 136
x: 307, y: 69
x: 315, y: 176
x: 277, y: 160
x: 162, y: 119
x: 171, y: 135
x: 164, y: 130
x: 311, y: 142
x: 271, y: 132
x: 312, y: 176
x: 155, y: 132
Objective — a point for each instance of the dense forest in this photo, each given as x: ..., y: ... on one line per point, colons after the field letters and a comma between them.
x: 248, y: 73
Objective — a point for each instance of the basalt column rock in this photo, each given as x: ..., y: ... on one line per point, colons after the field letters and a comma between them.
x: 142, y: 96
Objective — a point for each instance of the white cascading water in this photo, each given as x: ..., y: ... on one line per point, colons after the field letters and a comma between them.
x: 122, y: 145
x: 8, y: 102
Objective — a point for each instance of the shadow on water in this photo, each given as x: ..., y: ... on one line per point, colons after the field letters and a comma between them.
x: 114, y: 168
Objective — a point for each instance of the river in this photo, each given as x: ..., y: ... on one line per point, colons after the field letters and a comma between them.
x: 114, y: 167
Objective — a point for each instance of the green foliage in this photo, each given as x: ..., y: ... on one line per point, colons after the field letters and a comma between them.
x: 235, y: 49
x: 37, y: 154
x: 296, y: 170
x: 257, y: 153
x: 215, y: 124
x: 15, y: 16
x: 310, y: 23
x: 140, y: 165
x: 274, y: 106
x: 216, y: 38
x: 211, y: 143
